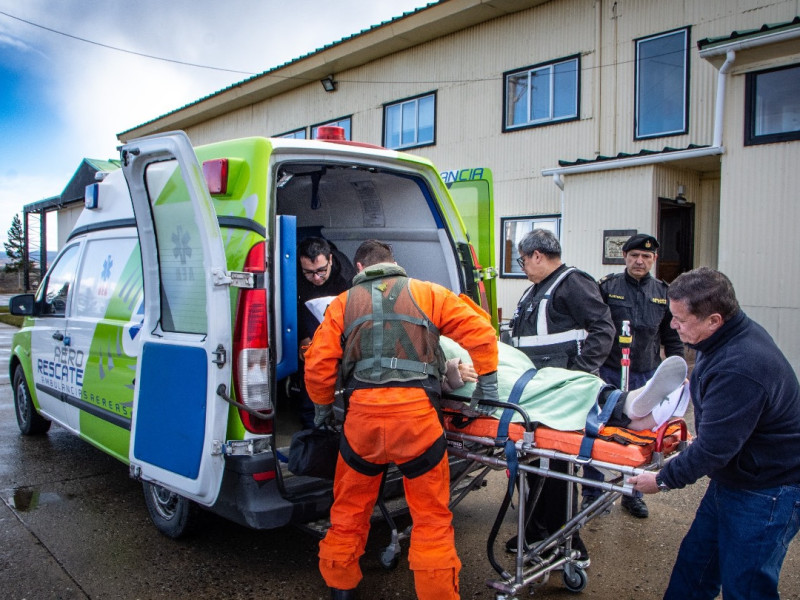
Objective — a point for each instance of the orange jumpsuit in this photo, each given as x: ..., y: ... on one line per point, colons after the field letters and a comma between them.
x: 395, y: 424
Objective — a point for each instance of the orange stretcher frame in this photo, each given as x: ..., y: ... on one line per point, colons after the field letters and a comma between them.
x: 632, y: 454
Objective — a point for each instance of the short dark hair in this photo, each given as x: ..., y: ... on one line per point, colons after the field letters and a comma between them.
x: 543, y: 240
x: 312, y: 247
x: 372, y: 252
x: 705, y: 291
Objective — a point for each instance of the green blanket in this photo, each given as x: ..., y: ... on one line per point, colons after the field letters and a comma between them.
x: 557, y: 398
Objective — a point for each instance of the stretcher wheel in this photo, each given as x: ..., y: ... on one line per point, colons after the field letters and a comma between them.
x: 575, y: 580
x: 390, y: 558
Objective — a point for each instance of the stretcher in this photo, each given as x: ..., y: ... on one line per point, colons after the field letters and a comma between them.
x: 527, y: 447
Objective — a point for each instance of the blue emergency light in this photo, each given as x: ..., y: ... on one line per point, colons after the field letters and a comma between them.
x: 91, y: 197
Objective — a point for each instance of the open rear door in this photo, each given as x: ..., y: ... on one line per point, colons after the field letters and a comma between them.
x: 471, y: 190
x: 186, y: 334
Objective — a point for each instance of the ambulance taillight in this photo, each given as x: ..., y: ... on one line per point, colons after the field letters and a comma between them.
x: 216, y: 175
x: 250, y: 349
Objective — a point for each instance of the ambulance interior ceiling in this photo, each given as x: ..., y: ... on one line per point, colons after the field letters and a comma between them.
x: 350, y: 204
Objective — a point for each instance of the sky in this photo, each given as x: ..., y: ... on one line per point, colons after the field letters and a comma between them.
x: 74, y: 73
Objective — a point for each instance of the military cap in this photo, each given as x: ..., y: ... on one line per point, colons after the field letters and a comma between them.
x: 641, y: 241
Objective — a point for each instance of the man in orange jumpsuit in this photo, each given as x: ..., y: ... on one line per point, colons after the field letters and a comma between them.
x: 383, y: 334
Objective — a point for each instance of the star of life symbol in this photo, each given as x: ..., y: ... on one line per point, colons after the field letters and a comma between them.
x: 105, y: 275
x: 182, y: 251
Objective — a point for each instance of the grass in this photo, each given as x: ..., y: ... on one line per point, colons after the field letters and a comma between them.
x: 9, y: 319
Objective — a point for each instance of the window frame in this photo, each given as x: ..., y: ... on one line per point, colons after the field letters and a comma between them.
x: 348, y: 131
x: 509, y: 269
x: 687, y: 32
x: 291, y: 135
x: 417, y: 144
x: 750, y: 120
x: 550, y: 121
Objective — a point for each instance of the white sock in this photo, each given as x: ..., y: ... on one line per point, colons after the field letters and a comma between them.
x: 669, y: 376
x: 673, y: 405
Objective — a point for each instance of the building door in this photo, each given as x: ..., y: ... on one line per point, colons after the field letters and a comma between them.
x: 676, y: 236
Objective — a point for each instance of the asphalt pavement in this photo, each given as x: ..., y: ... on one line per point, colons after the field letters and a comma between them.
x: 73, y: 526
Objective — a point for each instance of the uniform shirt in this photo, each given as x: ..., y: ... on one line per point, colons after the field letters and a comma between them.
x: 576, y: 304
x: 644, y: 303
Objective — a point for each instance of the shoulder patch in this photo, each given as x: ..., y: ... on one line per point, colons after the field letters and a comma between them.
x: 658, y: 300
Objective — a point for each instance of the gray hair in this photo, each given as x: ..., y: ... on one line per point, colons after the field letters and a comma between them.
x: 705, y: 291
x: 542, y: 240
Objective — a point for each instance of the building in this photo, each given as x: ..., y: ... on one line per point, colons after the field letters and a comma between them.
x: 596, y: 117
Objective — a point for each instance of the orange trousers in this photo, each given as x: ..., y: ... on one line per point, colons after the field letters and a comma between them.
x: 381, y: 435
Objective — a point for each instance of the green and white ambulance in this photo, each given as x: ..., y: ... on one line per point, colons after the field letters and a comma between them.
x: 165, y: 329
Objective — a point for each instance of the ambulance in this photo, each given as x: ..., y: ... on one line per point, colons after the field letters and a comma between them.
x: 165, y: 331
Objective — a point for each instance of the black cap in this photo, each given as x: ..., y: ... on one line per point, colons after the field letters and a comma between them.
x: 641, y: 241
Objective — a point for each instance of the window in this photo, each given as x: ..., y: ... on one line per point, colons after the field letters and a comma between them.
x: 54, y: 295
x: 410, y: 123
x: 542, y: 94
x: 662, y: 85
x: 344, y: 123
x: 297, y: 134
x: 772, y: 106
x: 512, y: 230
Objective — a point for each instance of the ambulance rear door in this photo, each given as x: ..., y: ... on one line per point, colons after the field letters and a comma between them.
x: 178, y: 420
x: 471, y: 190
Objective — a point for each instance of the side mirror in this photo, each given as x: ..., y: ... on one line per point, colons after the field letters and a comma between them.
x: 21, y: 305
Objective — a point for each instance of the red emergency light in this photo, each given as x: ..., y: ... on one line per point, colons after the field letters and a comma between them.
x: 335, y: 134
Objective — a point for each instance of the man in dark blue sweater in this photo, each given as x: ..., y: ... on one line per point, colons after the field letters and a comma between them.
x: 747, y: 414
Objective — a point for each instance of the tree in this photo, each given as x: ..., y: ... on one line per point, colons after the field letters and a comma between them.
x: 15, y: 246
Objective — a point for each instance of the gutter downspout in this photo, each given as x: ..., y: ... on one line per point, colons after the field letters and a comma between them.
x: 719, y: 109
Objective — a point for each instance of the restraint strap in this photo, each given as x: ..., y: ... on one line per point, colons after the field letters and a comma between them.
x: 502, y: 427
x: 595, y: 421
x: 355, y: 462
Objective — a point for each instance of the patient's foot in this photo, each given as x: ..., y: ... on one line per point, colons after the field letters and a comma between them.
x: 669, y: 376
x: 673, y: 405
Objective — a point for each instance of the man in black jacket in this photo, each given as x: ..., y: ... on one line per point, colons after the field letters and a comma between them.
x: 747, y: 414
x: 639, y: 298
x: 323, y: 272
x: 560, y: 321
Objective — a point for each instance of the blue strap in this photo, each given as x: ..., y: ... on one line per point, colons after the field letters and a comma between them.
x: 595, y: 421
x: 502, y: 428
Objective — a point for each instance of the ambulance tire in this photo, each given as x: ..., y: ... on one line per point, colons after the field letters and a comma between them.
x: 30, y: 422
x: 172, y: 514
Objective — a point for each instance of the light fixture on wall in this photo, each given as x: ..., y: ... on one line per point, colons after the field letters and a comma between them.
x: 329, y: 83
x: 680, y: 198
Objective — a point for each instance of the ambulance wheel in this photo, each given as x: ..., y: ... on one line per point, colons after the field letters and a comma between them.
x: 30, y: 422
x: 171, y: 513
x: 575, y: 580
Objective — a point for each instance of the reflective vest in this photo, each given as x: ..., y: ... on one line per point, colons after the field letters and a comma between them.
x: 388, y: 340
x: 530, y: 331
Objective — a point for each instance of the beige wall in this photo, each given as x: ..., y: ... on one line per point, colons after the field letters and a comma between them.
x: 745, y: 211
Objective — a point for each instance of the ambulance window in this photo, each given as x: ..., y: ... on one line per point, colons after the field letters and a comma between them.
x: 110, y: 284
x: 180, y: 250
x: 54, y: 295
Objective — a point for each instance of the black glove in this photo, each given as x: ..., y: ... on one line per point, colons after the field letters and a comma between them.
x: 485, y: 389
x: 323, y: 415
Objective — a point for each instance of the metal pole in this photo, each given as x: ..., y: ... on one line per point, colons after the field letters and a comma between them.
x: 625, y: 341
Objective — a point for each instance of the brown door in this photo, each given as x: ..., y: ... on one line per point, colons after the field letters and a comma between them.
x: 676, y: 236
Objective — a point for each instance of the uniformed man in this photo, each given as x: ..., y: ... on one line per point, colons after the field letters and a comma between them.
x: 381, y: 340
x: 639, y: 298
x: 560, y: 321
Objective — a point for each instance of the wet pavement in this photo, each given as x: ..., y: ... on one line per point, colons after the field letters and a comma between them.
x: 73, y: 525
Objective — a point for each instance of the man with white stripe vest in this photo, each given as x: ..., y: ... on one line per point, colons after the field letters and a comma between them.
x: 560, y: 321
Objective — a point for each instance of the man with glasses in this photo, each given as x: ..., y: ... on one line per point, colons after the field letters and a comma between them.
x: 560, y: 321
x: 323, y: 272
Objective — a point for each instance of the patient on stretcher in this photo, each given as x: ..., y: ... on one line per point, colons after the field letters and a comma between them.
x: 561, y: 399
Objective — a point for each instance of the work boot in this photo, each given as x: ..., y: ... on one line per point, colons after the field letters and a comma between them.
x: 511, y: 544
x: 635, y: 506
x: 343, y: 594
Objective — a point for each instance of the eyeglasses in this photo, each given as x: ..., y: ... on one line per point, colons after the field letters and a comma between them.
x: 521, y: 262
x: 317, y: 272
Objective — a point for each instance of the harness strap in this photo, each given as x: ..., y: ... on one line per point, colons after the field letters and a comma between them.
x: 541, y: 309
x: 595, y: 421
x: 410, y: 469
x: 355, y: 462
x: 397, y: 363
